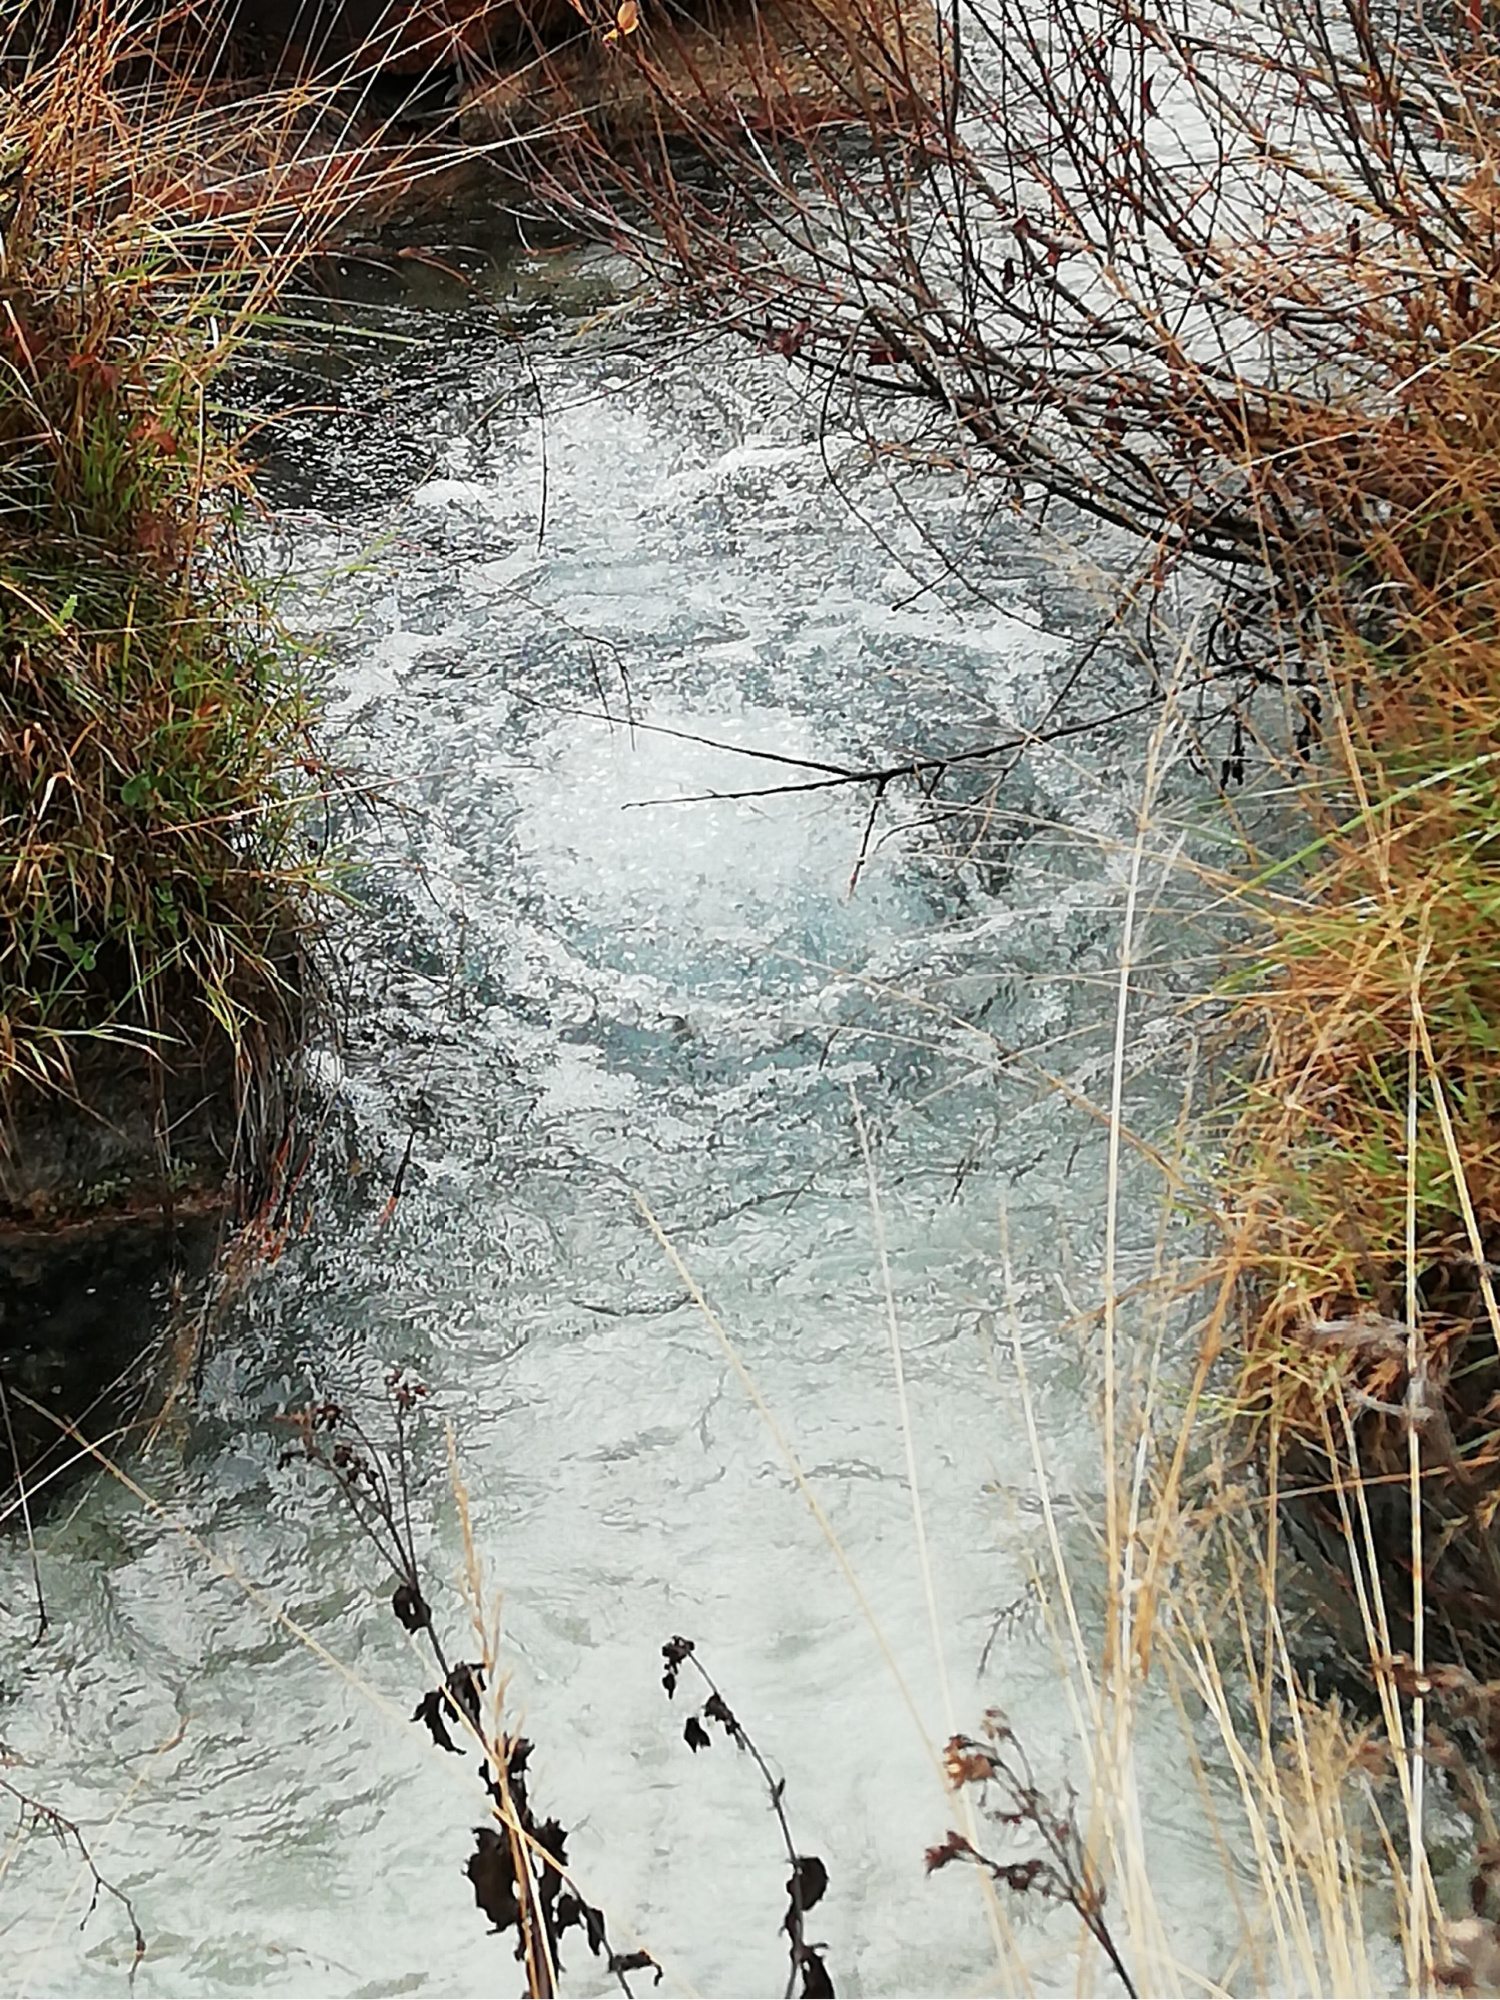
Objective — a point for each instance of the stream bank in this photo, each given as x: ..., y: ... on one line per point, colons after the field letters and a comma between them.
x: 156, y: 762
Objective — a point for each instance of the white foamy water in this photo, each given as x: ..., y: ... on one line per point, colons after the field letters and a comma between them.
x: 581, y: 1001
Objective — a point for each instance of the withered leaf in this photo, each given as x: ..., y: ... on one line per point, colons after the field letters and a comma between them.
x: 952, y: 1849
x: 493, y: 1874
x: 816, y: 1985
x: 808, y: 1882
x: 429, y: 1711
x: 966, y: 1762
x: 465, y: 1685
x: 718, y: 1710
x: 411, y: 1607
x: 695, y: 1735
x: 459, y: 1695
x: 571, y: 1910
x: 635, y: 1961
x: 674, y: 1653
x: 551, y: 1837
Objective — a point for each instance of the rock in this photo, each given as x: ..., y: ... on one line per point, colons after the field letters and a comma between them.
x: 82, y: 1310
x: 792, y: 68
x: 134, y: 1137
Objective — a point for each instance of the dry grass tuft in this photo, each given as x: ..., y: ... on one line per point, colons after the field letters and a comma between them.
x: 1368, y: 1162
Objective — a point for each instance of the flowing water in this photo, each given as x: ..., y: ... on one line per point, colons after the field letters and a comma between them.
x: 557, y: 577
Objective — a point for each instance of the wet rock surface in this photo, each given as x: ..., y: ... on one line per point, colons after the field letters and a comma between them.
x: 136, y: 1140
x: 81, y: 1312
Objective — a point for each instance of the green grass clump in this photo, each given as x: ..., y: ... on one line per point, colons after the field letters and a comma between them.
x: 155, y: 737
x: 156, y: 756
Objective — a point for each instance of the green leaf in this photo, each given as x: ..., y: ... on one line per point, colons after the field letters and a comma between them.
x: 137, y: 791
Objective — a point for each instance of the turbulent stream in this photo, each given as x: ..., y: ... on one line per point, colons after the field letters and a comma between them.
x: 549, y: 557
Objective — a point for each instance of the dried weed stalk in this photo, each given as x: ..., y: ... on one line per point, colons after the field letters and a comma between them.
x: 808, y: 1882
x: 519, y: 1865
x: 1059, y: 1868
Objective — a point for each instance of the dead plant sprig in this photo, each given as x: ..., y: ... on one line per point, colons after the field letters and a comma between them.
x: 36, y: 1816
x: 377, y: 1489
x: 808, y: 1882
x: 518, y: 1869
x: 1061, y: 1872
